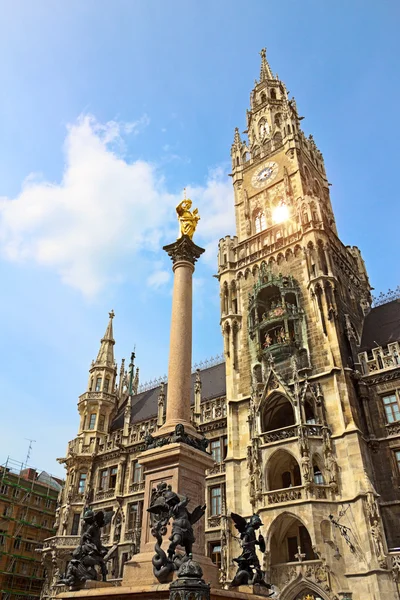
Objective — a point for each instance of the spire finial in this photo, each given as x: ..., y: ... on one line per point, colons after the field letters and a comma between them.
x: 111, y: 314
x: 265, y: 72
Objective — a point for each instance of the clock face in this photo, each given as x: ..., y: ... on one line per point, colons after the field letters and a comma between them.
x: 265, y: 174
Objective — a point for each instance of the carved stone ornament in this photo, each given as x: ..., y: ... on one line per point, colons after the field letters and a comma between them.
x: 179, y: 435
x: 184, y: 249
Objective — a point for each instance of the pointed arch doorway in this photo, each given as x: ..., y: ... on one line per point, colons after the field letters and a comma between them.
x: 304, y: 589
x: 308, y: 595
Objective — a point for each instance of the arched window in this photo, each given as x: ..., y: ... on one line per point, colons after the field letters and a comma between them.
x: 278, y: 414
x: 278, y: 138
x: 237, y: 161
x: 289, y: 537
x: 318, y: 477
x: 288, y: 129
x: 263, y: 98
x: 309, y: 413
x: 283, y: 471
x: 82, y: 482
x: 98, y: 384
x: 106, y: 384
x: 273, y: 94
x: 259, y: 221
x: 277, y: 119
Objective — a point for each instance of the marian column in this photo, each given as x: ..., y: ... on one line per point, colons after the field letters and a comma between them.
x: 176, y: 454
x: 184, y: 254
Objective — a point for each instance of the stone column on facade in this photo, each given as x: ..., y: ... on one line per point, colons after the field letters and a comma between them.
x: 184, y: 254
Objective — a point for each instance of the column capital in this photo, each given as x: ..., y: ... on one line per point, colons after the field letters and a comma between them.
x: 184, y: 249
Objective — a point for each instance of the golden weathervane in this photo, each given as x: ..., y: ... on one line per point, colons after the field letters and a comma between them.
x: 187, y: 220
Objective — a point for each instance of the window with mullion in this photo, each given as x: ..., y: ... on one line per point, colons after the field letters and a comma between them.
x: 391, y: 406
x: 215, y: 494
x: 103, y: 479
x: 216, y: 450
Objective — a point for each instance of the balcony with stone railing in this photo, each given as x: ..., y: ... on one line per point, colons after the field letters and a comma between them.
x: 291, y: 432
x: 217, y: 469
x: 137, y: 486
x: 213, y: 409
x: 64, y: 541
x: 394, y: 563
x: 214, y: 522
x: 104, y: 396
x: 297, y: 493
x: 381, y: 358
x: 315, y: 570
x: 104, y: 494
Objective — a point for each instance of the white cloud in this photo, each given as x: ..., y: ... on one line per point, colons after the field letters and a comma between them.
x: 104, y: 209
x: 158, y: 279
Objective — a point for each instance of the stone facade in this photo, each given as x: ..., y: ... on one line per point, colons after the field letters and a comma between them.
x: 302, y: 416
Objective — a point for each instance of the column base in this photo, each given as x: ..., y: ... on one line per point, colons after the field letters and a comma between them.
x: 183, y: 468
x: 169, y: 427
x: 140, y: 569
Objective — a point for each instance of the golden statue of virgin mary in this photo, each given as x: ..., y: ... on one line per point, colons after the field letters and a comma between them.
x: 187, y: 219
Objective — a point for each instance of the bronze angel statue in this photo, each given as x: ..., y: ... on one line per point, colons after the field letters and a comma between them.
x: 166, y: 505
x: 249, y: 568
x: 90, y: 552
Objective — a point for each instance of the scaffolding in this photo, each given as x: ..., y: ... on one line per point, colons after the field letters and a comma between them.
x: 27, y: 509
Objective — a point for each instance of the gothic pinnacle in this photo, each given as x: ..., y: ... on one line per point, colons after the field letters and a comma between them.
x: 237, y: 140
x: 265, y: 72
x: 105, y: 357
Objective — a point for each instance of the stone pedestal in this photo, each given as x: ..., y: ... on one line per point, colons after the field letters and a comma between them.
x: 182, y: 467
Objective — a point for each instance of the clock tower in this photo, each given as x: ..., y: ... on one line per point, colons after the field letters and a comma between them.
x: 293, y: 302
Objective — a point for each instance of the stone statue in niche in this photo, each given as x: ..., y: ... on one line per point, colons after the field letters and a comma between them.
x: 166, y: 505
x: 249, y: 569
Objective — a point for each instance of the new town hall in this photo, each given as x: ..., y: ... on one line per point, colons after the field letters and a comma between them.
x: 302, y: 415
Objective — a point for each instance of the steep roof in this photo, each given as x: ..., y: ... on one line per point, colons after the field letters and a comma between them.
x: 381, y: 326
x: 145, y: 404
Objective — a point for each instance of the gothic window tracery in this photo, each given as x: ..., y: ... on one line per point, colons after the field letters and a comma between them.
x: 259, y: 221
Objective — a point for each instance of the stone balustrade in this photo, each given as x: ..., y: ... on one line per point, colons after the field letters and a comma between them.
x: 105, y: 494
x: 393, y: 428
x: 298, y: 492
x: 66, y: 541
x: 213, y: 409
x: 381, y: 358
x: 285, y: 495
x: 214, y: 521
x: 394, y: 557
x: 315, y: 570
x: 279, y: 434
x: 217, y: 469
x: 292, y: 431
x: 138, y: 486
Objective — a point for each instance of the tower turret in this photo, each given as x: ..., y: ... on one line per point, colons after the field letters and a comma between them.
x: 97, y: 404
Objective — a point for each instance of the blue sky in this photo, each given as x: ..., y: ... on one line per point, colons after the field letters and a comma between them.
x: 107, y: 110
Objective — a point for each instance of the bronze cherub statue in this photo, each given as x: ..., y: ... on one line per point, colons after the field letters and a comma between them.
x: 249, y: 569
x: 166, y: 505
